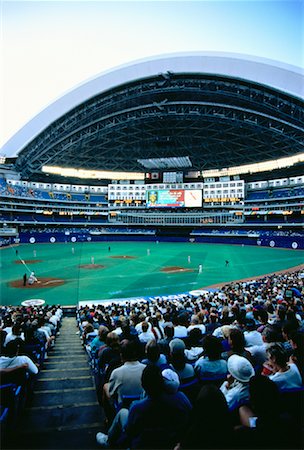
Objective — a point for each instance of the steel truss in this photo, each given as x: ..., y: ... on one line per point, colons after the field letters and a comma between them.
x: 216, y: 121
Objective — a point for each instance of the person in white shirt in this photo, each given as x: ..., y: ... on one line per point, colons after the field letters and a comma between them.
x: 195, y: 323
x: 138, y: 327
x: 14, y: 334
x: 286, y: 376
x: 236, y: 388
x: 180, y: 329
x: 251, y: 335
x: 12, y: 359
x: 146, y: 335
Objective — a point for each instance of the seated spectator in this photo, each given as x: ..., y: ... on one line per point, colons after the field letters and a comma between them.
x: 142, y: 319
x: 262, y: 316
x: 180, y: 329
x: 178, y: 360
x: 226, y: 316
x: 125, y: 380
x: 264, y: 402
x: 236, y: 388
x: 196, y: 323
x: 117, y: 325
x: 290, y: 327
x: 194, y: 345
x: 156, y: 421
x: 89, y: 333
x: 210, y: 410
x: 146, y: 335
x: 13, y: 358
x: 213, y: 323
x: 297, y: 357
x: 156, y: 329
x: 286, y: 376
x: 251, y: 335
x: 223, y: 333
x: 280, y: 317
x: 128, y: 331
x: 258, y: 353
x: 153, y: 355
x: 236, y: 341
x: 43, y: 328
x: 15, y: 333
x: 109, y: 356
x: 31, y: 340
x: 263, y: 426
x: 211, y: 365
x: 164, y: 343
x: 100, y: 340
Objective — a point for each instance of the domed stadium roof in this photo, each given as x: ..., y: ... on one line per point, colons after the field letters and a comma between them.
x: 213, y: 110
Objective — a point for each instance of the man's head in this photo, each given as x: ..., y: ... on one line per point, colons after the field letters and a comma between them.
x: 169, y: 331
x: 144, y: 327
x: 129, y: 350
x: 14, y: 347
x: 152, y: 380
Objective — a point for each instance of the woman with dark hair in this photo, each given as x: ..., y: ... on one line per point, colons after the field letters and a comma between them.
x: 296, y: 338
x: 286, y: 376
x: 236, y: 341
x: 194, y: 345
x: 211, y: 365
x: 262, y: 316
x: 157, y: 330
x: 210, y: 410
x: 100, y: 340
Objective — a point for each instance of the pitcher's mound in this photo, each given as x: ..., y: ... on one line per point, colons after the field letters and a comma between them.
x: 175, y: 269
x: 28, y: 261
x: 92, y: 266
x: 42, y: 283
x: 123, y: 257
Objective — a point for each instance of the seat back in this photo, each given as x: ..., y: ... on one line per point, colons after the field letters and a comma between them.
x: 216, y: 380
x: 190, y: 387
x: 126, y: 401
x: 292, y: 402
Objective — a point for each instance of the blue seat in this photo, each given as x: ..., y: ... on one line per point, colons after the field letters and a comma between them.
x: 190, y: 387
x: 11, y: 399
x: 36, y: 352
x: 217, y: 380
x: 126, y: 402
x: 3, y: 415
x: 292, y: 402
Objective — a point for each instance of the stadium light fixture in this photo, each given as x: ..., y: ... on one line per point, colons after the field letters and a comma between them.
x: 256, y: 167
x: 93, y: 174
x: 166, y: 163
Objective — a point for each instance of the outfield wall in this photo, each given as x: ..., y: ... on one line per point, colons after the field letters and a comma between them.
x: 296, y: 242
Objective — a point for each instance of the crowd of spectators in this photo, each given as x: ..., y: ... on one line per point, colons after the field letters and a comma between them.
x: 201, y: 372
x: 220, y: 370
x: 15, y: 190
x: 27, y: 334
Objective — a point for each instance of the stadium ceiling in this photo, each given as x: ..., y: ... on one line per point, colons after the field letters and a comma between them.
x: 216, y: 110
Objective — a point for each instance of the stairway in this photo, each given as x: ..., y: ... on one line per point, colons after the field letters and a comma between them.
x: 64, y: 413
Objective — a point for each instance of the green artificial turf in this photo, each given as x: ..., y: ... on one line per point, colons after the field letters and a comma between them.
x: 141, y: 276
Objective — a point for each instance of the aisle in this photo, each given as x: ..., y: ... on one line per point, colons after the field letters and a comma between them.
x: 65, y: 413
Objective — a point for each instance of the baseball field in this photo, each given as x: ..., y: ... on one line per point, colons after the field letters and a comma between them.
x: 72, y: 272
